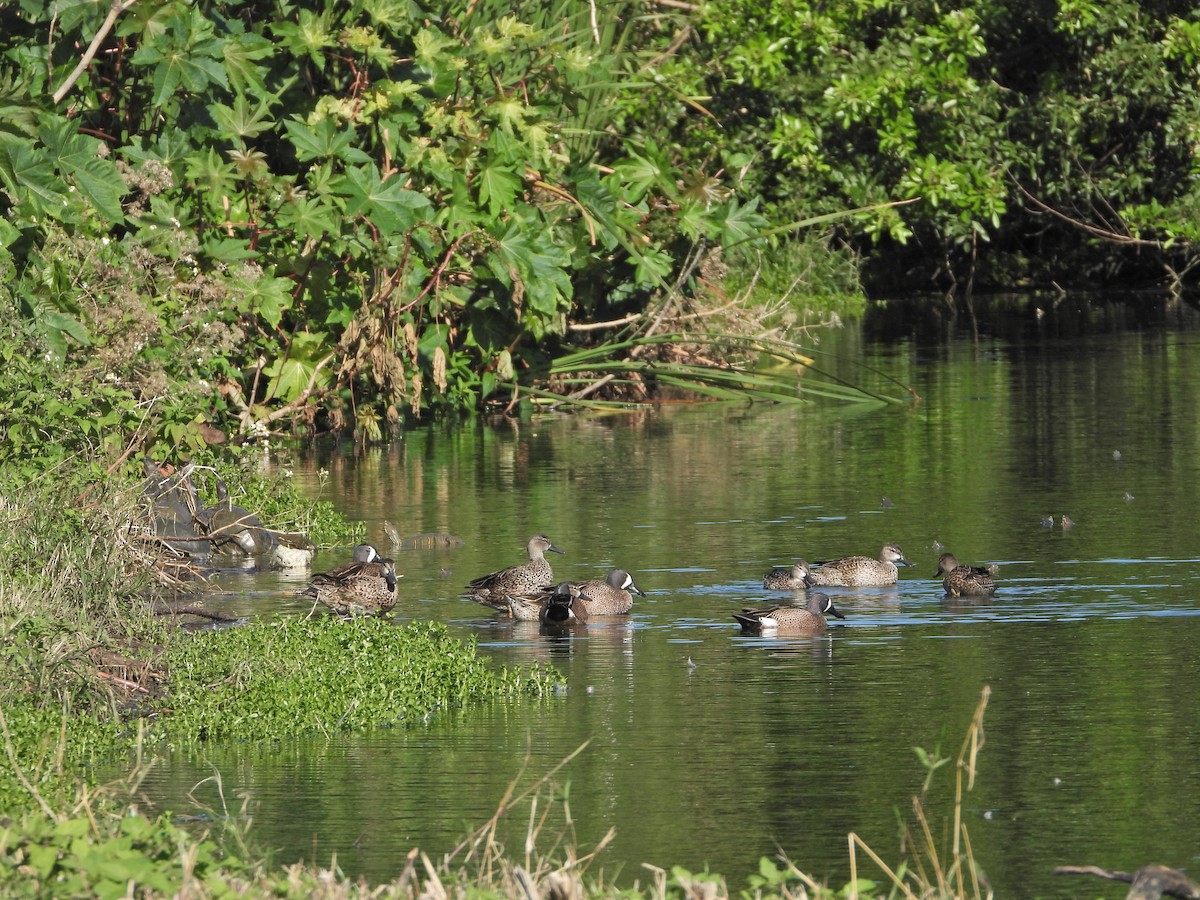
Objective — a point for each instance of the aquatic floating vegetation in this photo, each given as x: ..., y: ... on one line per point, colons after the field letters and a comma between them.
x: 278, y: 678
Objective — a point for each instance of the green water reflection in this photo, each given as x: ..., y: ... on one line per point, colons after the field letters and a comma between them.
x: 760, y: 745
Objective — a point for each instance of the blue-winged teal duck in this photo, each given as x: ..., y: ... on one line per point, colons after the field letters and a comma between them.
x: 788, y: 578
x: 611, y: 597
x: 364, y: 586
x: 493, y: 589
x: 560, y: 605
x: 860, y: 571
x: 964, y: 581
x: 808, y: 619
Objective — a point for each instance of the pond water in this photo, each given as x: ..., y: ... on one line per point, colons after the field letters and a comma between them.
x: 707, y: 748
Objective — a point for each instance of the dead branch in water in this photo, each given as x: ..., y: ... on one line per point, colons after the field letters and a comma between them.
x: 1147, y: 883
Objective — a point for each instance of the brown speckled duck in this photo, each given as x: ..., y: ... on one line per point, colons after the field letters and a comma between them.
x: 560, y: 605
x: 788, y: 578
x: 964, y: 581
x: 860, y: 571
x: 493, y: 589
x: 611, y: 597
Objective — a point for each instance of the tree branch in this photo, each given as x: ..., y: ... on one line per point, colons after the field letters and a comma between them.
x: 118, y: 7
x: 1107, y: 234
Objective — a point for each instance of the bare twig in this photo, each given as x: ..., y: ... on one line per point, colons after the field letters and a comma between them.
x: 1107, y: 234
x: 614, y: 323
x: 679, y: 41
x: 118, y: 7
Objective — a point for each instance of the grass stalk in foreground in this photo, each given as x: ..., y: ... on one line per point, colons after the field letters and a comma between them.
x: 928, y: 875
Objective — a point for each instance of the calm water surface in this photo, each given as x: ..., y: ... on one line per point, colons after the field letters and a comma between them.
x: 707, y: 748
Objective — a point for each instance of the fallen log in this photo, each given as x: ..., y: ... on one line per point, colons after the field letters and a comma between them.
x: 1147, y: 883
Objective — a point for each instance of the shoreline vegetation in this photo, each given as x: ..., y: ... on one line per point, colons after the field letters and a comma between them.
x: 96, y: 675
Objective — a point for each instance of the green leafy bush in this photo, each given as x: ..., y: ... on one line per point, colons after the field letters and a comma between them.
x: 1027, y: 131
x: 78, y: 857
x: 327, y: 214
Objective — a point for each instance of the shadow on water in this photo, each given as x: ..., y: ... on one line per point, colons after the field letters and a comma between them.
x: 709, y: 748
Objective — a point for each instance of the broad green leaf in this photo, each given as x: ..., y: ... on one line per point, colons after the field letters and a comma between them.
x: 226, y: 250
x: 736, y: 222
x: 498, y: 185
x: 240, y: 120
x: 99, y: 181
x: 291, y: 374
x: 187, y: 55
x: 640, y: 175
x: 511, y: 113
x: 390, y: 207
x: 242, y: 55
x: 323, y: 140
x: 28, y: 177
x: 77, y: 159
x: 541, y: 264
x: 308, y: 217
x: 653, y: 266
x: 42, y: 859
x: 212, y: 175
x: 267, y: 296
x: 310, y: 37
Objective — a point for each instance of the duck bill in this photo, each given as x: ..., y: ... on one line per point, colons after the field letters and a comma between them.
x: 832, y: 610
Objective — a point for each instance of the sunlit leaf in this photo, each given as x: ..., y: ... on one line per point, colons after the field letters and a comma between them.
x: 290, y: 375
x: 267, y: 296
x: 323, y: 140
x: 242, y: 55
x: 28, y: 175
x: 498, y: 185
x: 240, y: 120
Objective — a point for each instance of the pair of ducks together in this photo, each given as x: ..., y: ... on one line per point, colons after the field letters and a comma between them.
x: 852, y: 571
x: 364, y: 586
x: 528, y: 592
